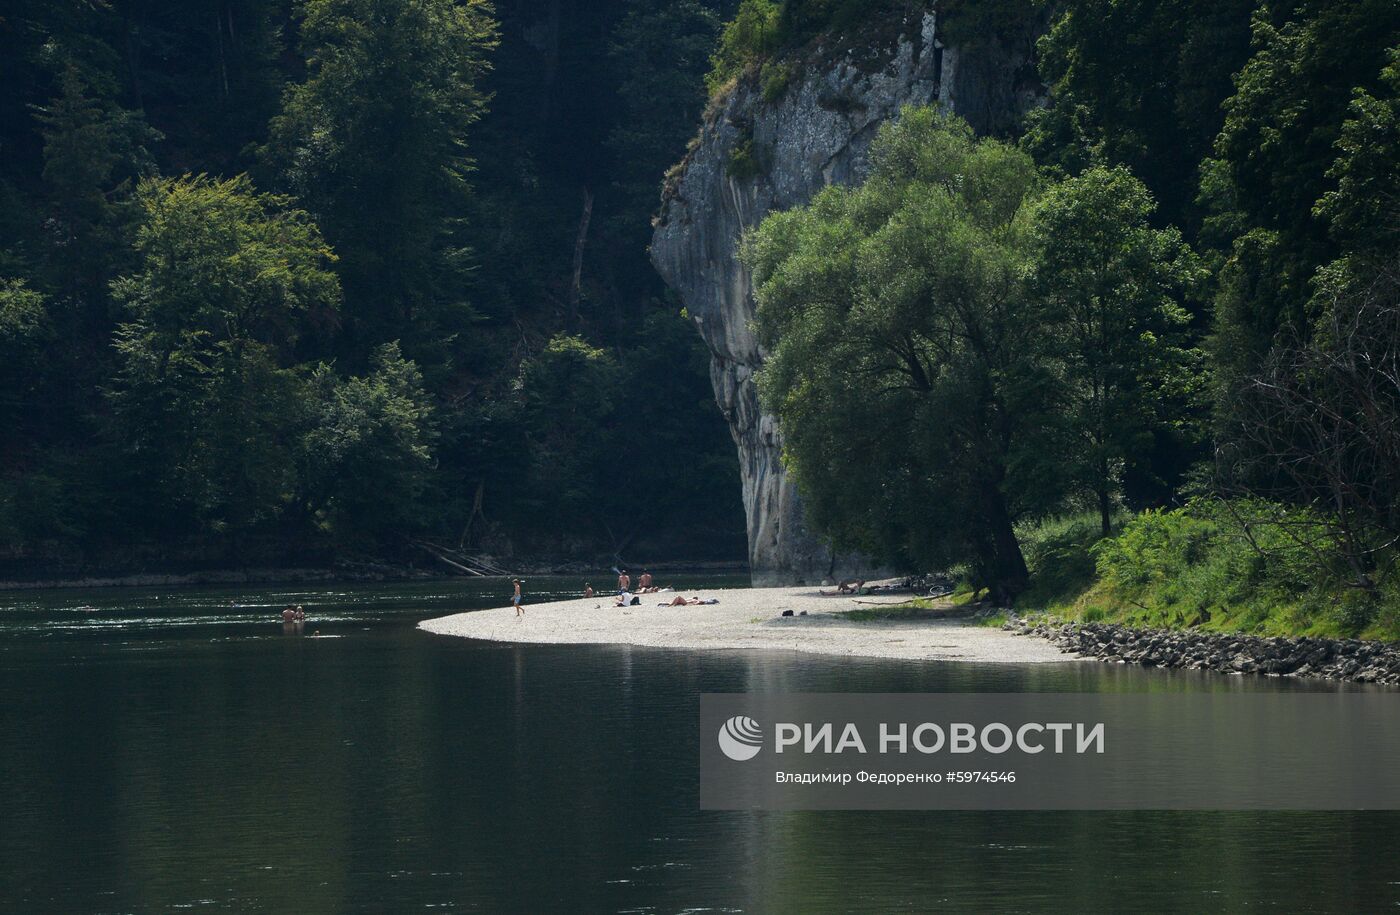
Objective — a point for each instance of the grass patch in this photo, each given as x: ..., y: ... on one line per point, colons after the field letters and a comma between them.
x: 1201, y: 567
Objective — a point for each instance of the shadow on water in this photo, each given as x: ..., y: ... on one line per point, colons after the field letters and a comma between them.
x: 192, y: 757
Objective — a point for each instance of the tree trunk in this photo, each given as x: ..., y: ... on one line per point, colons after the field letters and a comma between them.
x: 1105, y: 511
x: 1007, y: 572
x: 575, y: 286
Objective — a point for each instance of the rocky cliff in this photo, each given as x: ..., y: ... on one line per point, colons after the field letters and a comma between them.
x: 755, y: 155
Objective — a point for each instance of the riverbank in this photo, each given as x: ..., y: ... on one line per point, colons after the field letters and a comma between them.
x: 1354, y: 660
x: 345, y: 572
x: 359, y: 572
x: 750, y: 618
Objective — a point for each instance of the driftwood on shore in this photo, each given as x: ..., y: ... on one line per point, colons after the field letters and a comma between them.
x: 478, y: 566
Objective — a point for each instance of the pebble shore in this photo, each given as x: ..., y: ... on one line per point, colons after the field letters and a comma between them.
x: 750, y: 618
x: 1328, y: 659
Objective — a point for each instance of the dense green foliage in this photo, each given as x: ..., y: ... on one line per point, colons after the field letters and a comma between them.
x: 324, y: 330
x: 205, y: 391
x: 374, y: 141
x: 1223, y: 566
x: 1113, y: 288
x: 1140, y: 83
x: 1262, y: 372
x: 286, y: 280
x: 956, y: 333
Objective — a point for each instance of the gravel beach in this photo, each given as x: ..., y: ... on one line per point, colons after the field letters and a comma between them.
x: 749, y: 618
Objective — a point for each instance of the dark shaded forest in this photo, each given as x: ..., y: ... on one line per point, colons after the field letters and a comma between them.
x: 287, y: 283
x: 1144, y: 347
x: 367, y: 278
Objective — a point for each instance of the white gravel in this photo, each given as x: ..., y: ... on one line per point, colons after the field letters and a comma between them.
x: 748, y: 618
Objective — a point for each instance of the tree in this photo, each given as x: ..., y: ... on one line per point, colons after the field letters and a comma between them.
x: 210, y: 73
x: 1360, y: 210
x: 661, y: 52
x: 374, y: 142
x: 1271, y: 167
x: 1318, y: 427
x: 207, y: 401
x: 1112, y: 286
x: 569, y: 391
x: 367, y: 453
x: 24, y: 327
x: 679, y: 478
x: 1139, y: 83
x: 93, y: 152
x: 1316, y: 424
x: 907, y: 355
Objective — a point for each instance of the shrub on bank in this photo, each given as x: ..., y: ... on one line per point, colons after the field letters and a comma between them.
x: 1240, y: 566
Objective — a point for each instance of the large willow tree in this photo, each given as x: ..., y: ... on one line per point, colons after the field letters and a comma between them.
x: 905, y: 352
x: 956, y: 345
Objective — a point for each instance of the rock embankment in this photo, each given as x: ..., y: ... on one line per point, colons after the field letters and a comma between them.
x: 1329, y: 659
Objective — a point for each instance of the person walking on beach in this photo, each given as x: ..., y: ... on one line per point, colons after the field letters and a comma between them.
x: 516, y: 599
x: 624, y: 581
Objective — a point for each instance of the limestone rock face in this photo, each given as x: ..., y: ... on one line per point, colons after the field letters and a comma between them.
x: 817, y: 132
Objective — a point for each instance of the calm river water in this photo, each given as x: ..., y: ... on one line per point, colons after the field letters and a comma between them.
x: 171, y: 750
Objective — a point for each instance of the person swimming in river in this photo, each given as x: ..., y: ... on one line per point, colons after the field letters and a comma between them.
x: 516, y: 599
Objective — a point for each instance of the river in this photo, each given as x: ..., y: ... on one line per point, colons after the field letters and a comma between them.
x: 166, y: 750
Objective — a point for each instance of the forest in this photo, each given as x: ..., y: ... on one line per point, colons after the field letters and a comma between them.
x: 292, y: 282
x: 1147, y: 345
x: 347, y: 277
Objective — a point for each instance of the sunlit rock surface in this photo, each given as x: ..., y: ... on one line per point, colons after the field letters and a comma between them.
x: 817, y: 132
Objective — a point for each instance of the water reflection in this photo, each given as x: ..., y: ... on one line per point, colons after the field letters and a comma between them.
x: 390, y: 770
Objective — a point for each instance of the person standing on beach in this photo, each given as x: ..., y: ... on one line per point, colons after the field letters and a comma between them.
x: 516, y: 599
x: 587, y: 590
x: 645, y: 581
x: 624, y: 581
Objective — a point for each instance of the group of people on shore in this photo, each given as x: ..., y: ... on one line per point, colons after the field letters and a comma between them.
x: 645, y: 584
x: 626, y: 596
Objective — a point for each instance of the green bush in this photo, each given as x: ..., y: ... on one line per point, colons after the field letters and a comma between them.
x: 1059, y: 554
x: 775, y: 77
x: 763, y: 28
x: 751, y: 35
x: 1153, y: 546
x: 745, y: 160
x: 1245, y: 565
x: 1241, y: 566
